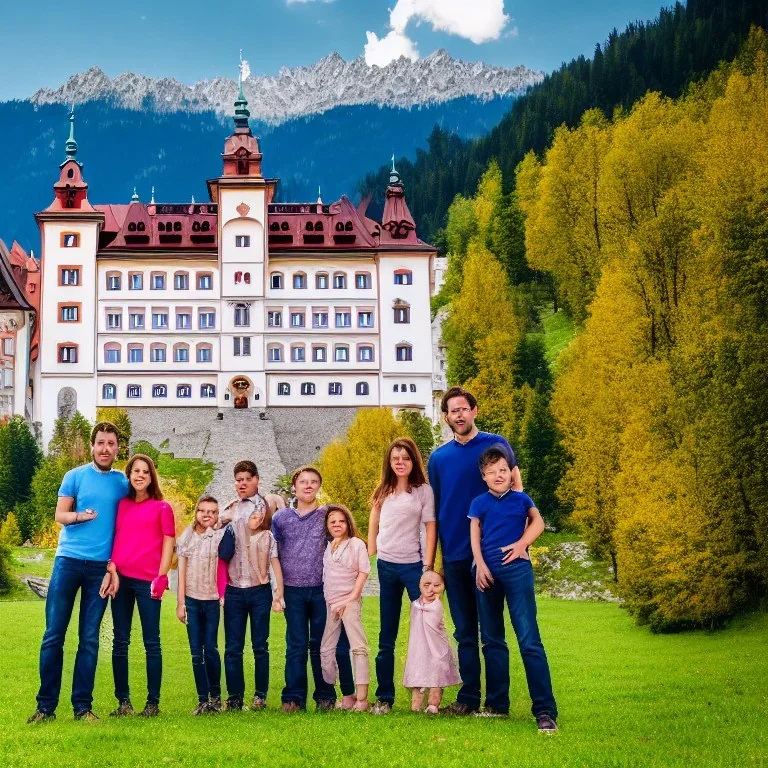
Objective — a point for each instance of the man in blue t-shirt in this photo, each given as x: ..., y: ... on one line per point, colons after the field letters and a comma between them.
x: 456, y: 480
x: 503, y: 524
x: 86, y: 510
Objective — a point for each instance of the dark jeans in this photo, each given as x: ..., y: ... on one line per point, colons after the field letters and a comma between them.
x: 393, y: 579
x: 203, y: 633
x: 69, y: 576
x: 240, y: 604
x: 305, y: 614
x: 462, y: 601
x: 514, y: 582
x: 136, y: 592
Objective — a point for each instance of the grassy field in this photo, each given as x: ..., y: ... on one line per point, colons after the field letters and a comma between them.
x: 626, y: 698
x: 558, y: 332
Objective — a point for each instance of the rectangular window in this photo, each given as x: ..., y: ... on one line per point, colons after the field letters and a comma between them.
x: 242, y: 346
x: 341, y: 354
x: 136, y: 355
x: 70, y: 276
x: 365, y: 319
x: 276, y: 281
x: 136, y: 281
x: 136, y: 320
x: 158, y: 282
x: 319, y: 319
x: 207, y: 320
x: 204, y: 282
x: 275, y: 354
x: 7, y: 377
x: 404, y: 354
x: 343, y: 319
x: 307, y: 388
x: 274, y: 319
x: 321, y: 281
x: 299, y: 281
x: 69, y: 314
x: 160, y: 320
x: 319, y: 354
x: 402, y: 314
x: 334, y: 388
x: 113, y: 283
x: 297, y: 319
x: 242, y: 316
x: 297, y: 354
x: 403, y: 278
x: 183, y: 321
x: 365, y: 354
x: 181, y: 355
x: 157, y: 354
x: 204, y: 354
x: 111, y: 355
x: 181, y: 281
x: 8, y: 347
x: 70, y: 240
x: 340, y: 281
x: 242, y: 241
x: 362, y: 280
x: 114, y: 320
x: 134, y: 390
x: 283, y: 388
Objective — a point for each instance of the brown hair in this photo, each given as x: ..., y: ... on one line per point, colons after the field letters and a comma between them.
x: 388, y: 481
x: 154, y: 486
x: 206, y: 497
x: 306, y: 468
x: 246, y: 466
x: 352, y: 532
x: 266, y: 523
x: 457, y: 392
x: 104, y: 426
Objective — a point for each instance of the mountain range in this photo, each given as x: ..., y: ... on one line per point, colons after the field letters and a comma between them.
x: 331, y: 82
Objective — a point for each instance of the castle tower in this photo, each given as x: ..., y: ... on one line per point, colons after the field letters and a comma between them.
x: 242, y: 194
x: 69, y: 232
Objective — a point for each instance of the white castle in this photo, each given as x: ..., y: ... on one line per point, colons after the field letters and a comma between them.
x: 239, y: 302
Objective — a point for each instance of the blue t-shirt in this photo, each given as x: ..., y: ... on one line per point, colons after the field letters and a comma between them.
x: 456, y: 480
x: 99, y: 491
x: 502, y: 519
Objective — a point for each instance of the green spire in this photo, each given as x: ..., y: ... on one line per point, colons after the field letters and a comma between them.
x: 71, y: 145
x: 242, y: 113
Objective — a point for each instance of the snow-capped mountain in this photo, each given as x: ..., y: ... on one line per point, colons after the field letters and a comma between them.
x: 331, y: 82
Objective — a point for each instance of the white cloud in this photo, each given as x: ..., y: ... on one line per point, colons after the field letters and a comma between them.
x: 381, y: 51
x: 475, y: 20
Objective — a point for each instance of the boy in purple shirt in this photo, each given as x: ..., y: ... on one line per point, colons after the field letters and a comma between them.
x: 301, y: 540
x: 503, y: 524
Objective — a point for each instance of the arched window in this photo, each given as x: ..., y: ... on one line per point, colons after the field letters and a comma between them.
x: 112, y: 352
x: 204, y: 353
x: 413, y: 387
x: 181, y: 353
x: 181, y: 281
x: 308, y: 388
x: 157, y: 352
x: 362, y: 388
x: 339, y: 280
x: 159, y: 390
x: 283, y: 388
x: 365, y: 353
x: 334, y: 388
x: 247, y: 278
x: 404, y: 352
x: 183, y: 391
x: 134, y: 390
x: 135, y: 353
x: 238, y: 277
x: 402, y: 312
x: 362, y: 280
x: 275, y: 353
x: 341, y: 353
x: 403, y: 277
x: 299, y: 280
x: 113, y: 281
x: 109, y: 392
x: 276, y: 281
x: 207, y: 390
x: 321, y: 280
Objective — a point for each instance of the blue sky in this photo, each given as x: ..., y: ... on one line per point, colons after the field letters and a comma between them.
x: 42, y: 47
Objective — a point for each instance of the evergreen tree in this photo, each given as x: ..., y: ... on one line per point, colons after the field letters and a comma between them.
x: 19, y: 457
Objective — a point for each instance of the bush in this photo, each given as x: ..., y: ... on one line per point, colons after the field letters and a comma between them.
x: 147, y: 449
x: 119, y: 417
x: 6, y: 569
x: 10, y: 535
x: 28, y: 520
x: 47, y: 537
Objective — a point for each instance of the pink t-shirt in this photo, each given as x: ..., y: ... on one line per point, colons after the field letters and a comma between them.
x: 342, y: 566
x: 400, y: 522
x: 139, y: 532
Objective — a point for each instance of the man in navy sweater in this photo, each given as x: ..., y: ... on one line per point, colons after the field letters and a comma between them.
x: 456, y: 480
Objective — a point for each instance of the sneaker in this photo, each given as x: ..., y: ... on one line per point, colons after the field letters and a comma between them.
x: 150, y: 710
x: 381, y: 708
x: 87, y: 714
x: 546, y: 724
x: 234, y: 705
x: 214, y: 705
x: 291, y: 706
x: 457, y: 708
x: 123, y: 709
x: 490, y: 712
x: 326, y: 705
x: 202, y: 708
x: 259, y: 702
x: 41, y: 717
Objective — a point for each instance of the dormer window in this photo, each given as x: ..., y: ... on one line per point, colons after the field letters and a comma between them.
x: 70, y: 240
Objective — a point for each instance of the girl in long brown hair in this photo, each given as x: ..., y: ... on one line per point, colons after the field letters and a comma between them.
x: 401, y: 505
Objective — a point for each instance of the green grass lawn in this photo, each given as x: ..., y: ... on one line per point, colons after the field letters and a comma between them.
x: 626, y: 697
x: 558, y: 332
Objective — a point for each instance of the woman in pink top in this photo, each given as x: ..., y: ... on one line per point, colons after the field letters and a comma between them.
x: 345, y: 569
x: 402, y: 505
x: 141, y: 556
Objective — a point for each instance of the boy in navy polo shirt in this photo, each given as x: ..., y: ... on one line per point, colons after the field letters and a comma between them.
x: 503, y: 524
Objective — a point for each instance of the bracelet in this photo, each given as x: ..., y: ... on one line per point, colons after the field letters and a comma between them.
x: 77, y: 519
x: 426, y: 568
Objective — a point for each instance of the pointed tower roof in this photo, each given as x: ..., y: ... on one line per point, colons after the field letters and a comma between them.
x: 397, y: 222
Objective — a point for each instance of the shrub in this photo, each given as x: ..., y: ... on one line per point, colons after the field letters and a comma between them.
x: 119, y: 417
x: 47, y: 537
x: 6, y: 570
x: 10, y: 535
x: 147, y: 449
x: 28, y: 520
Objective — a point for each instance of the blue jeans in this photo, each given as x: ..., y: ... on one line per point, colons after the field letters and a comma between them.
x: 69, y: 576
x: 240, y: 604
x: 305, y: 614
x: 462, y: 601
x: 514, y: 582
x: 393, y: 579
x: 136, y: 592
x: 203, y: 633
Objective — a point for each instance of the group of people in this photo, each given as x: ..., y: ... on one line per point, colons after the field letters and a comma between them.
x: 257, y: 556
